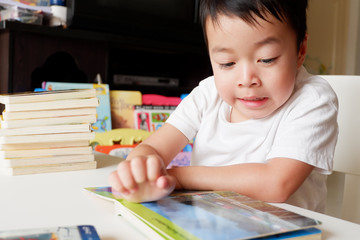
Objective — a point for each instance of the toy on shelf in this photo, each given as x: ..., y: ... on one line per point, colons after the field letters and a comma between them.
x: 119, y: 142
x: 120, y: 136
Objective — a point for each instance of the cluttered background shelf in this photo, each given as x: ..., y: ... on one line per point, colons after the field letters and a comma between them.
x: 158, y: 45
x: 32, y: 54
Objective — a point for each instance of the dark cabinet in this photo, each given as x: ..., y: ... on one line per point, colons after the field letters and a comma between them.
x: 30, y: 54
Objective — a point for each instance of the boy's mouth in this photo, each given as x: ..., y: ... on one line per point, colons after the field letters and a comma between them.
x: 254, y: 101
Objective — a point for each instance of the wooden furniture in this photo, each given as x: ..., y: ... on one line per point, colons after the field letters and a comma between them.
x: 78, y: 55
x: 56, y: 199
x: 344, y: 183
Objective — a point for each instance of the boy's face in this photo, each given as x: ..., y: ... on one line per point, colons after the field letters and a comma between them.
x: 255, y: 66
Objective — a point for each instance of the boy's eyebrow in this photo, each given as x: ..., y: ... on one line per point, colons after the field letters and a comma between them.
x: 221, y: 49
x: 269, y: 40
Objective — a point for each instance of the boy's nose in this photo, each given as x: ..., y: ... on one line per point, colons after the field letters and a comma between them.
x: 253, y: 82
x: 248, y: 77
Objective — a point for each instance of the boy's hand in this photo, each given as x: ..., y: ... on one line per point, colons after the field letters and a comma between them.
x: 142, y: 179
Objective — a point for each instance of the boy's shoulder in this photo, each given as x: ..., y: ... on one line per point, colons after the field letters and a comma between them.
x: 313, y: 88
x: 207, y: 82
x: 313, y: 83
x: 207, y: 86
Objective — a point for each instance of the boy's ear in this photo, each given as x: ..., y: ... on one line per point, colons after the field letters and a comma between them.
x: 302, y: 51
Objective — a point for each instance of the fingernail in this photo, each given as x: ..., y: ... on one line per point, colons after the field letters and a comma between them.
x: 134, y: 190
x: 126, y: 192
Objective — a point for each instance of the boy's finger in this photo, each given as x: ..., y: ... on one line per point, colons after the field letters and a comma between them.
x: 126, y: 177
x: 154, y: 168
x: 138, y: 168
x: 166, y: 182
x: 115, y: 182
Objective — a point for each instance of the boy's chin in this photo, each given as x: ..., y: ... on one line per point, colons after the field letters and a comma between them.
x: 241, y: 116
x: 259, y: 115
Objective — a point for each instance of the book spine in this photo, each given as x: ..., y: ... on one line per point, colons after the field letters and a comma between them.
x: 23, y: 162
x: 48, y: 121
x: 49, y: 168
x: 44, y: 145
x: 59, y: 137
x: 46, y: 152
x: 27, y: 97
x: 46, y: 129
x: 61, y: 104
x: 47, y: 113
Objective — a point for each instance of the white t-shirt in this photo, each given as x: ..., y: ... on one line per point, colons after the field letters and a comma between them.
x: 304, y: 128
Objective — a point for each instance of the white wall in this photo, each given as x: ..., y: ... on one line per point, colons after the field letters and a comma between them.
x: 334, y: 37
x: 353, y: 39
x: 334, y: 48
x: 357, y: 43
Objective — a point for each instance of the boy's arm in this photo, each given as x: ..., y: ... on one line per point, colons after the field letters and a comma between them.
x: 166, y: 142
x: 143, y: 177
x: 274, y: 181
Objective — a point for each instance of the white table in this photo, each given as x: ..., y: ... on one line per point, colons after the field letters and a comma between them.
x: 57, y: 199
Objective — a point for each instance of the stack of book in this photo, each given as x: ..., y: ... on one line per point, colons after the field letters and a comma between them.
x: 47, y: 131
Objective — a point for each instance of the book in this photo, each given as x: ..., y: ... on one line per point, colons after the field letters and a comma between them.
x: 27, y: 97
x: 36, y: 169
x: 50, y: 105
x: 209, y: 215
x: 26, y: 153
x: 47, y: 121
x: 48, y: 113
x: 303, y: 234
x: 80, y: 232
x: 62, y: 128
x: 103, y: 121
x: 160, y: 100
x: 45, y: 145
x: 150, y: 118
x: 122, y: 107
x: 43, y: 138
x: 46, y: 160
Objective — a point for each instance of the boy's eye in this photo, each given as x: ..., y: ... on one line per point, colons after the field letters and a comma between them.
x: 267, y: 61
x: 227, y: 65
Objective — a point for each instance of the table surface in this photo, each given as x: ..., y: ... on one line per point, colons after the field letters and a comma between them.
x: 58, y: 199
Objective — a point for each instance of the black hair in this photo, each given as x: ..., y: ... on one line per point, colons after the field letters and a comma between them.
x: 293, y: 11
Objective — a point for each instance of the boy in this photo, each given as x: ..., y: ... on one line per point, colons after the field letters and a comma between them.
x: 264, y: 127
